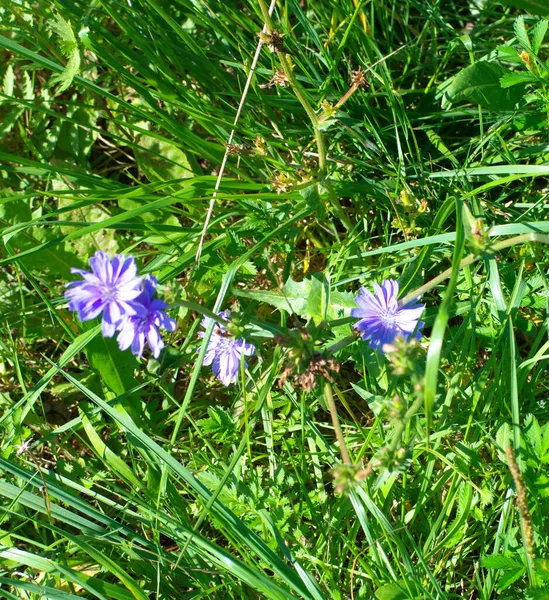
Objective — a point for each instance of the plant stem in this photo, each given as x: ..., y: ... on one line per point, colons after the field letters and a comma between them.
x: 335, y: 421
x: 304, y: 101
x: 471, y: 258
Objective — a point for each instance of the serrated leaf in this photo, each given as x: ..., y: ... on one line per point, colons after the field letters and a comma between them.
x: 503, y: 439
x: 509, y: 53
x: 509, y: 578
x: 65, y: 78
x: 67, y: 40
x: 8, y: 81
x: 28, y: 88
x: 498, y: 561
x: 479, y: 83
x: 511, y: 79
x: 521, y: 33
x: 538, y: 34
x: 532, y: 433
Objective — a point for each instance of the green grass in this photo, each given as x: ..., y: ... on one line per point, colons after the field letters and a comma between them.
x: 148, y: 479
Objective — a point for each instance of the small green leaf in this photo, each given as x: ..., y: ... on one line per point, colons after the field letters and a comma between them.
x: 510, y: 79
x: 538, y: 34
x: 532, y: 433
x: 521, y: 33
x: 509, y: 578
x: 498, y: 561
x: 503, y: 439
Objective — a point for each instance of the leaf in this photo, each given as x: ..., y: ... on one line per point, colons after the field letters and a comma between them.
x: 63, y: 30
x: 162, y: 161
x: 64, y: 79
x: 391, y: 591
x: 535, y: 7
x: 510, y: 54
x: 8, y: 81
x: 293, y: 298
x: 498, y: 561
x: 511, y: 79
x: 521, y: 33
x: 69, y: 48
x: 538, y: 34
x: 532, y: 433
x: 503, y: 439
x: 480, y: 84
x: 113, y: 366
x: 509, y: 578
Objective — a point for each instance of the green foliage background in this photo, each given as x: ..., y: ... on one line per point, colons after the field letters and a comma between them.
x: 148, y: 479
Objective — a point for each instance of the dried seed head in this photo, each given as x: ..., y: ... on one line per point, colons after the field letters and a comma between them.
x: 279, y: 78
x: 522, y: 503
x: 358, y: 78
x: 281, y: 182
x: 273, y: 39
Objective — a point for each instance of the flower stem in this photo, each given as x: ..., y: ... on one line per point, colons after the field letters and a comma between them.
x: 471, y: 258
x: 304, y: 101
x: 337, y: 425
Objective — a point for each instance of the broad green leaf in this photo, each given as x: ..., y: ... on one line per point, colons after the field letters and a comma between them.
x: 162, y: 161
x: 536, y: 7
x: 391, y: 591
x: 480, y: 83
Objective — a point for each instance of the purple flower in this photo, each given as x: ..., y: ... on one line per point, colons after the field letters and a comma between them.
x: 224, y: 351
x: 382, y: 319
x: 111, y: 289
x: 143, y: 327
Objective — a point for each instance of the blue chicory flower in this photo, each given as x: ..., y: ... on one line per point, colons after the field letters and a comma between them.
x: 224, y: 351
x: 382, y: 319
x: 110, y: 289
x: 143, y: 327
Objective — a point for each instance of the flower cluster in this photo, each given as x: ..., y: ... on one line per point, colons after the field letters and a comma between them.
x: 382, y: 319
x: 224, y: 351
x: 126, y: 302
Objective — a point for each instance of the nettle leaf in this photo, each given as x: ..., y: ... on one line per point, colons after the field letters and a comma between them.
x: 69, y: 47
x: 509, y: 578
x: 538, y: 34
x: 533, y: 435
x: 521, y: 33
x: 511, y: 79
x: 498, y: 561
x: 480, y: 83
x: 503, y: 439
x: 8, y: 81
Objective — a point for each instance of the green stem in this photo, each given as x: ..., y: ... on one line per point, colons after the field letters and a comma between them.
x: 304, y: 101
x: 471, y: 258
x: 335, y: 421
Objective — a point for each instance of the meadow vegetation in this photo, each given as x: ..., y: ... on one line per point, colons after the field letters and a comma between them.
x: 270, y: 161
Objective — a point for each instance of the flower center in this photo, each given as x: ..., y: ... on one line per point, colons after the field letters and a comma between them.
x: 110, y: 292
x: 389, y: 319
